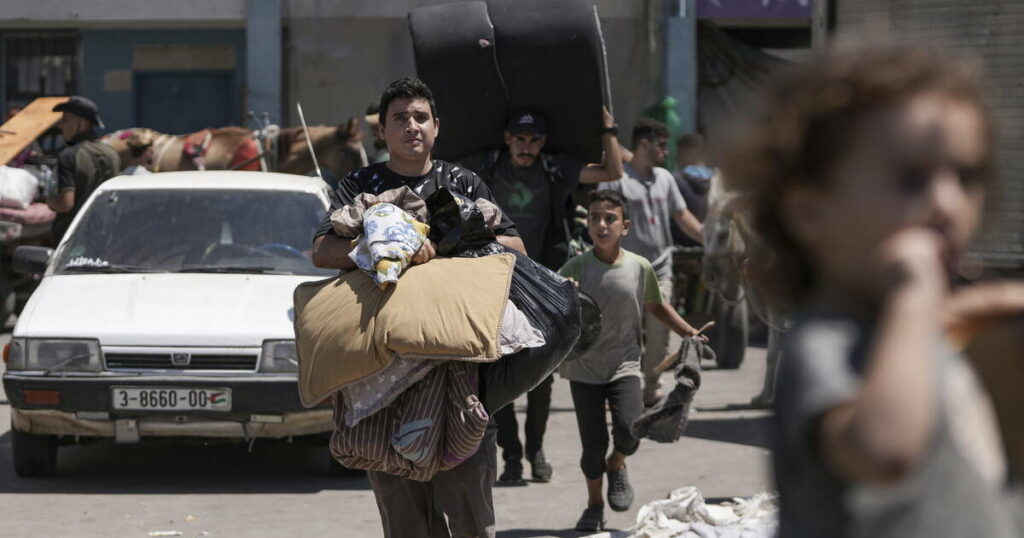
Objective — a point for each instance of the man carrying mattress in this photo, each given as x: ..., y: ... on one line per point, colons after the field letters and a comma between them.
x: 536, y: 189
x: 456, y: 502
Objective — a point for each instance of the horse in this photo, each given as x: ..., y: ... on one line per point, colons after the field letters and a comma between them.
x: 339, y: 149
x: 728, y: 237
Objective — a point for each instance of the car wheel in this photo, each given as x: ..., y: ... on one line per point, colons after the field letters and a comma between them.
x: 729, y: 339
x: 8, y: 300
x: 34, y: 455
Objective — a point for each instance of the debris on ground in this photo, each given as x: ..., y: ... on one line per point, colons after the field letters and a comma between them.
x: 685, y: 515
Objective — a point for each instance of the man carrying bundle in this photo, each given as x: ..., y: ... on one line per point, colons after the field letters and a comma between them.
x: 456, y: 502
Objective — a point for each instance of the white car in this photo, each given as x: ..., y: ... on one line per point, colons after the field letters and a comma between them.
x: 166, y: 311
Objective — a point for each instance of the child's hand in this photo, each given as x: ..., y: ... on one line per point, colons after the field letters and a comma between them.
x: 424, y: 254
x: 913, y: 257
x: 699, y: 333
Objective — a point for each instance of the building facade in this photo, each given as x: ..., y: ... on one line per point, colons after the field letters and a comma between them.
x: 182, y: 66
x: 988, y: 32
x: 131, y: 58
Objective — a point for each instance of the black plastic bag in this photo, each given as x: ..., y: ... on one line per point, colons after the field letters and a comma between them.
x: 552, y: 305
x: 456, y: 223
x: 590, y: 325
x: 548, y: 300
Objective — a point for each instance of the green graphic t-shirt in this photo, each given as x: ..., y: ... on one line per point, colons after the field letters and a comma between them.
x: 524, y: 194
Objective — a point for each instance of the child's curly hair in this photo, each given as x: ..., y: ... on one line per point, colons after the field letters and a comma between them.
x: 805, y: 123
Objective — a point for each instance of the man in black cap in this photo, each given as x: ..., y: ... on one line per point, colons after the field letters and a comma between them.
x: 535, y: 189
x: 82, y: 165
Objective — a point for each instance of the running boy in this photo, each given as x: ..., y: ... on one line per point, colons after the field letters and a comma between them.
x: 623, y: 284
x: 866, y: 177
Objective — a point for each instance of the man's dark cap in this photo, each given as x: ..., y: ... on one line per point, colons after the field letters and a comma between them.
x: 83, y: 107
x: 527, y: 121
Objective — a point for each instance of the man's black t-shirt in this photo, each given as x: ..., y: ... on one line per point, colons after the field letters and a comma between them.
x: 378, y: 178
x: 82, y: 173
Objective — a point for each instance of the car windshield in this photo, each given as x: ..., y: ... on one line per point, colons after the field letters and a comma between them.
x: 200, y: 231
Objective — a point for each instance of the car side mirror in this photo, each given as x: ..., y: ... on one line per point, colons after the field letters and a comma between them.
x: 31, y: 260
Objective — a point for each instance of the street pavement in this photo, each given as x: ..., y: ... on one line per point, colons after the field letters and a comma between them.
x: 273, y: 489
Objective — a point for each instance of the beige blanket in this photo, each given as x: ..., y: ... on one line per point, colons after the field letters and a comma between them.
x: 347, y: 328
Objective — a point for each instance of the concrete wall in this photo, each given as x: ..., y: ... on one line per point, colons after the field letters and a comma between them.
x: 263, y: 40
x: 107, y: 57
x: 338, y: 56
x: 341, y: 55
x: 132, y: 13
x: 990, y: 32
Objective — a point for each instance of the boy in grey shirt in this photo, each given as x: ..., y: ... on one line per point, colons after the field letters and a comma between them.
x: 654, y: 201
x: 624, y: 286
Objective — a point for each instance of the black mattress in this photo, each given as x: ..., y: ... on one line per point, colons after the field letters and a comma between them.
x: 484, y: 60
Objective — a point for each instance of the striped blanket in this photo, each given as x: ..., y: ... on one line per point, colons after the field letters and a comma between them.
x: 433, y: 426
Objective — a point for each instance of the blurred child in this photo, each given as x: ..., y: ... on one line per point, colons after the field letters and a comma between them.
x: 866, y: 176
x: 623, y: 285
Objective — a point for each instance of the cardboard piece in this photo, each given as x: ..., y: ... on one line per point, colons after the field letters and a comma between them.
x: 27, y: 125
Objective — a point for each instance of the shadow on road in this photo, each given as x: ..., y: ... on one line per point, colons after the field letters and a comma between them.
x: 751, y: 431
x: 537, y: 533
x: 175, y: 468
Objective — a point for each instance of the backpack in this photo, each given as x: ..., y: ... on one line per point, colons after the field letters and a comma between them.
x: 95, y: 163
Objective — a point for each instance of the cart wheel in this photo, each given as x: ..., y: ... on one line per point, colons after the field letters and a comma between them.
x: 34, y: 455
x: 729, y: 339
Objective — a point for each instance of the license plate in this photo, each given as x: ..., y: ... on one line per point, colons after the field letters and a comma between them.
x: 171, y: 398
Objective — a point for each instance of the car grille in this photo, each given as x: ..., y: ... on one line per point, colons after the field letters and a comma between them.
x: 132, y: 361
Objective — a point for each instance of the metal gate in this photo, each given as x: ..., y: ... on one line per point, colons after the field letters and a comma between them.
x: 38, y: 64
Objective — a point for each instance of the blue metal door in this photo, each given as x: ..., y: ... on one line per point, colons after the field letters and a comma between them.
x: 183, y: 102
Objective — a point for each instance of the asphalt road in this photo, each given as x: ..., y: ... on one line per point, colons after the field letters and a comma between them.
x: 277, y: 489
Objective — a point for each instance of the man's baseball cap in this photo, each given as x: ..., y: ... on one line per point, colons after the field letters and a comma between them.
x: 83, y: 107
x: 527, y: 121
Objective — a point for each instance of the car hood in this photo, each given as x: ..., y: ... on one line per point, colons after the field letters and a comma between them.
x: 163, y: 309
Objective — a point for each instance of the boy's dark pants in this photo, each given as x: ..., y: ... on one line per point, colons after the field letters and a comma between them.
x: 538, y: 406
x: 413, y: 509
x: 625, y: 399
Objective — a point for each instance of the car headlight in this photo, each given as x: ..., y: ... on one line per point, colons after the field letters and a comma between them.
x: 279, y: 357
x: 15, y: 358
x: 62, y: 355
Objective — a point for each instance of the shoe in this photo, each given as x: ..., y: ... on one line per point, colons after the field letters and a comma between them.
x: 512, y: 475
x: 540, y: 469
x: 592, y: 519
x: 620, y: 493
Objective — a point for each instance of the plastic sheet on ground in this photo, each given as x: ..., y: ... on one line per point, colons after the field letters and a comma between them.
x: 685, y: 515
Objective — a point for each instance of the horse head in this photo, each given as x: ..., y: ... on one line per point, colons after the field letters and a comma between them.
x: 339, y: 149
x: 724, y: 242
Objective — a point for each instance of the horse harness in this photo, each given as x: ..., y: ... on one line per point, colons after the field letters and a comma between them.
x: 196, y: 146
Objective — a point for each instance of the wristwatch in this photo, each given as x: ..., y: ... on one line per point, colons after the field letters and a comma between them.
x: 613, y: 130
